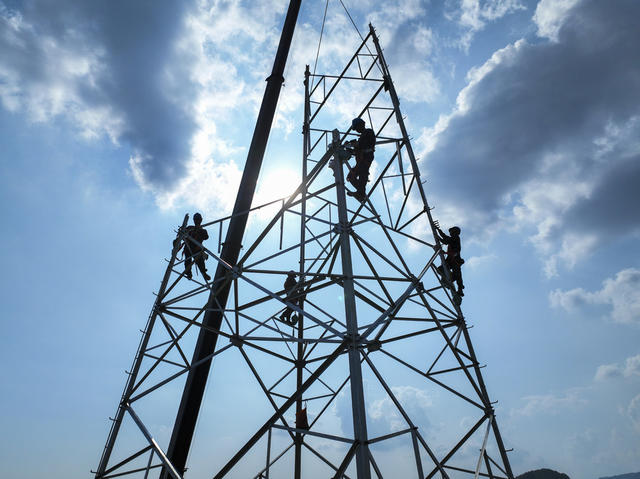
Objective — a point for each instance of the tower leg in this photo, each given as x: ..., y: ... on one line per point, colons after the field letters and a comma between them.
x: 355, y: 368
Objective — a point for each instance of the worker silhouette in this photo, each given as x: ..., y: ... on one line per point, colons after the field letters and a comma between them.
x: 193, y: 249
x: 363, y: 151
x: 293, y: 291
x: 453, y: 259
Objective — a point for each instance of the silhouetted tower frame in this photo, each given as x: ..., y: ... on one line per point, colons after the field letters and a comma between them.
x: 380, y: 290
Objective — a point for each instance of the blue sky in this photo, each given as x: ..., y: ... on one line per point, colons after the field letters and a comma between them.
x: 116, y: 118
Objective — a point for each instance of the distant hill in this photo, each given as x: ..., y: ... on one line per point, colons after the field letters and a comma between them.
x: 544, y: 474
x: 631, y: 475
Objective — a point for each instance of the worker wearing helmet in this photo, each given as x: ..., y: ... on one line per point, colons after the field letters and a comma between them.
x: 193, y: 249
x: 453, y: 259
x: 364, y: 148
x: 293, y: 290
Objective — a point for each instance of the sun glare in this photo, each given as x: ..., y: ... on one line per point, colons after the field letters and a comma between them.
x: 276, y: 184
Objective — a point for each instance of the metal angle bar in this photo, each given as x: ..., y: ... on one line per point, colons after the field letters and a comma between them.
x: 159, y: 345
x: 240, y: 213
x: 322, y: 458
x: 166, y: 361
x: 335, y: 84
x: 416, y: 453
x: 376, y: 469
x: 388, y: 108
x: 170, y: 288
x: 379, y: 140
x: 284, y: 251
x: 359, y: 66
x: 411, y: 220
x: 174, y: 376
x: 385, y: 230
x: 384, y: 124
x: 498, y: 466
x: 347, y: 459
x: 408, y: 335
x: 488, y: 466
x: 276, y: 459
x: 167, y: 464
x: 322, y: 396
x: 128, y: 459
x: 357, y: 392
x: 390, y: 435
x: 282, y: 378
x: 441, y: 384
x: 135, y: 367
x: 173, y: 334
x: 406, y: 197
x: 373, y: 270
x: 321, y: 382
x: 449, y: 370
x: 321, y: 163
x: 344, y: 77
x: 264, y: 388
x: 398, y: 303
x: 401, y: 166
x: 380, y: 255
x: 375, y: 61
x: 132, y: 471
x: 146, y: 473
x: 386, y: 201
x: 412, y: 159
x: 444, y: 348
x: 454, y: 350
x: 153, y: 367
x: 335, y: 395
x: 460, y: 469
x: 372, y: 293
x: 287, y: 404
x: 261, y: 300
x: 406, y: 417
x: 482, y: 450
x: 314, y: 433
x: 263, y: 324
x: 460, y: 443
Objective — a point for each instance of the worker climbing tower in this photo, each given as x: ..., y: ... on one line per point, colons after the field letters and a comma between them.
x: 361, y: 368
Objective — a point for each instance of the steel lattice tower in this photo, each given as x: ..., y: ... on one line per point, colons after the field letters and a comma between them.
x: 378, y: 355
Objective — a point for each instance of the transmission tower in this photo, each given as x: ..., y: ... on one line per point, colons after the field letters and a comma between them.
x: 364, y: 369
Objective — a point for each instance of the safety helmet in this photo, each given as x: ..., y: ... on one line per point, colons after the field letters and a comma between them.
x: 454, y: 230
x: 197, y: 218
x: 357, y: 123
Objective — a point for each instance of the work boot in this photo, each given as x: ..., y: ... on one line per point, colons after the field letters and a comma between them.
x: 187, y: 274
x: 206, y: 276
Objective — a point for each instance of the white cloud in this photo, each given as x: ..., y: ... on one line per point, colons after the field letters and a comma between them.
x: 476, y: 262
x: 527, y: 148
x: 473, y: 15
x: 630, y: 368
x: 634, y: 412
x: 550, y: 403
x: 621, y: 293
x: 413, y: 400
x: 550, y: 15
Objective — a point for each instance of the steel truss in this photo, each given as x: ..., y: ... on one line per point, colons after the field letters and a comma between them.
x: 371, y: 313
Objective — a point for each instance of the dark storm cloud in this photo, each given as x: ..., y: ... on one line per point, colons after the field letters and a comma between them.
x: 550, y: 99
x: 140, y: 78
x: 614, y: 205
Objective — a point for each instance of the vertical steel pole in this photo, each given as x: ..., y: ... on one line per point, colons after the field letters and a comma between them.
x: 306, y: 145
x: 197, y: 377
x: 353, y: 338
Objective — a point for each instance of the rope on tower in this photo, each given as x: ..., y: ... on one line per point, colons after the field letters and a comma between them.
x: 324, y: 19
